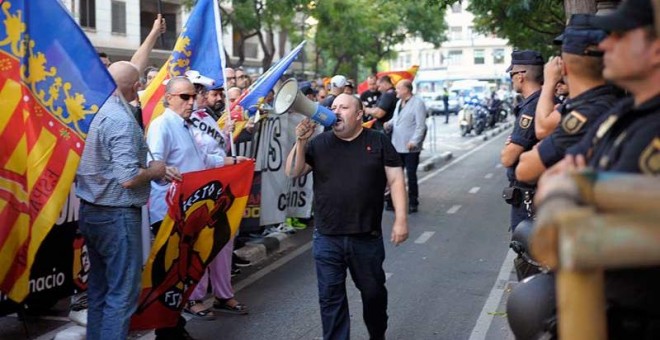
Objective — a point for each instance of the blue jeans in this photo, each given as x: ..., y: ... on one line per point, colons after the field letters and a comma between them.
x: 114, y: 241
x: 363, y: 256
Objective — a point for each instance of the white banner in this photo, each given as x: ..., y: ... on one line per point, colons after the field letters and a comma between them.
x: 281, y: 197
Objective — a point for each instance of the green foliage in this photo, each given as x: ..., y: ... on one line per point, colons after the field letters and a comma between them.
x: 364, y: 32
x: 527, y: 24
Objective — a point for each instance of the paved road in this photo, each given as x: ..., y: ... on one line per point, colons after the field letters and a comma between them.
x: 443, y: 282
x: 439, y: 281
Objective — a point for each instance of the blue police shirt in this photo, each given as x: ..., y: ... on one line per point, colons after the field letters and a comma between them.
x: 578, y: 115
x: 523, y: 131
x: 629, y: 141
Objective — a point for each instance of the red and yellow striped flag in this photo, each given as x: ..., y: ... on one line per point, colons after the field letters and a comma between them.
x: 51, y: 85
x: 394, y: 75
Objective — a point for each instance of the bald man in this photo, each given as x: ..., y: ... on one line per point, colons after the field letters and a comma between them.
x: 113, y: 184
x: 351, y: 167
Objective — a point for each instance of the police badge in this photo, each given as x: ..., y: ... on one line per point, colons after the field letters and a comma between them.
x: 525, y: 121
x: 649, y: 160
x: 573, y: 122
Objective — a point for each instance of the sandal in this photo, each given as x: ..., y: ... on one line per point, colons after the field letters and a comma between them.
x: 221, y: 305
x: 204, y: 314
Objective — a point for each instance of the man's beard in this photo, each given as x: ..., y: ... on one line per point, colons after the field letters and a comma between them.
x: 218, y: 108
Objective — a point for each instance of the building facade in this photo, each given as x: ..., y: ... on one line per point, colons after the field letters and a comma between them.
x: 466, y: 55
x: 118, y: 27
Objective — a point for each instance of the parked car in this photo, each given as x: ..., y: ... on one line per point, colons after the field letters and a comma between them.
x: 435, y: 106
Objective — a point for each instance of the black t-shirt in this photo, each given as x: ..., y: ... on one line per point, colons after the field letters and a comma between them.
x: 349, y: 181
x: 386, y: 102
x: 369, y: 98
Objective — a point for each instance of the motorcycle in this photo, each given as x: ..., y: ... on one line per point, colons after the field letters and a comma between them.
x: 473, y: 116
x: 497, y: 112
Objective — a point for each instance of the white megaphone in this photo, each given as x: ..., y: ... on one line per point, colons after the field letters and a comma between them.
x: 289, y: 98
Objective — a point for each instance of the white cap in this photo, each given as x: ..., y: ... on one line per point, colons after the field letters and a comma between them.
x: 196, y: 78
x: 338, y: 81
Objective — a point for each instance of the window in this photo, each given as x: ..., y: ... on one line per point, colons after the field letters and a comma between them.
x: 408, y: 59
x: 88, y: 13
x: 455, y: 33
x: 119, y: 17
x: 456, y: 8
x: 498, y: 56
x: 455, y: 57
x: 479, y: 57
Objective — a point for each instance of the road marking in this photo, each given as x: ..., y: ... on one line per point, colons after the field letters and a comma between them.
x: 499, y: 165
x: 388, y: 275
x: 457, y: 160
x: 490, y: 175
x: 474, y: 190
x: 266, y: 270
x: 425, y: 236
x: 453, y: 209
x: 486, y: 317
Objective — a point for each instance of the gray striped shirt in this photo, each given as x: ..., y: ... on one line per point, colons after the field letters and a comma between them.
x: 114, y: 152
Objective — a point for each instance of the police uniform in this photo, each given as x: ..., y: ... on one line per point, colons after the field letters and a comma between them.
x: 519, y: 194
x: 579, y: 113
x: 625, y: 139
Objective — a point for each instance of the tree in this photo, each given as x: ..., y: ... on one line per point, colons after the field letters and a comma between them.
x: 527, y: 24
x: 364, y: 32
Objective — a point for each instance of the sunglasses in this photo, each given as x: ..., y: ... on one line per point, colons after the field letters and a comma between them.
x: 185, y: 96
x: 512, y: 74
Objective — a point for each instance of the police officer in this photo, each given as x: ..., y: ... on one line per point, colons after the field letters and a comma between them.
x: 627, y: 140
x: 589, y: 97
x: 526, y: 73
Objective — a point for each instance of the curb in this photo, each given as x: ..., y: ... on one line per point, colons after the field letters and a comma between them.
x: 259, y: 250
x: 432, y: 162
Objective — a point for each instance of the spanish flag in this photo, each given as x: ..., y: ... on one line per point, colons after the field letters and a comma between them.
x: 205, y: 211
x: 394, y: 75
x: 52, y: 82
x: 199, y: 47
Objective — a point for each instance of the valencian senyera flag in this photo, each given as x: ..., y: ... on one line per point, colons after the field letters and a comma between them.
x: 199, y: 48
x: 253, y: 97
x: 394, y: 75
x: 204, y: 212
x: 51, y: 85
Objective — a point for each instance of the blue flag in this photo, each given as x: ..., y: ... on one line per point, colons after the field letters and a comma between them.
x: 255, y: 94
x: 199, y: 47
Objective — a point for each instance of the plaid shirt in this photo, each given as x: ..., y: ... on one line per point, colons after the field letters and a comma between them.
x: 114, y: 152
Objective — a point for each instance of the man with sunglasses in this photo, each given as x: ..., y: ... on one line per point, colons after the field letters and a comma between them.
x: 171, y: 140
x: 526, y: 73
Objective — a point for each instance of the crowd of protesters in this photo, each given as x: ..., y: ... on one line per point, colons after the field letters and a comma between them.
x: 595, y: 105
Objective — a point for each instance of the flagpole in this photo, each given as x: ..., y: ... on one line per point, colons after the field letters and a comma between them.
x: 223, y: 66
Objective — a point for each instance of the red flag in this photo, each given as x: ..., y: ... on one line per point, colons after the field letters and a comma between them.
x: 394, y: 75
x: 205, y: 211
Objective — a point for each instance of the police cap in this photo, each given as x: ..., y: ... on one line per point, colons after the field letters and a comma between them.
x: 578, y: 41
x: 577, y: 21
x: 630, y: 14
x: 526, y: 57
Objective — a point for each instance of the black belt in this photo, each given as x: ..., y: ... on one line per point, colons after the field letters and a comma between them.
x: 109, y: 206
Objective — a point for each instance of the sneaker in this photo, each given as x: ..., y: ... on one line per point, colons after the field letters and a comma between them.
x: 295, y: 223
x: 239, y: 262
x: 78, y: 317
